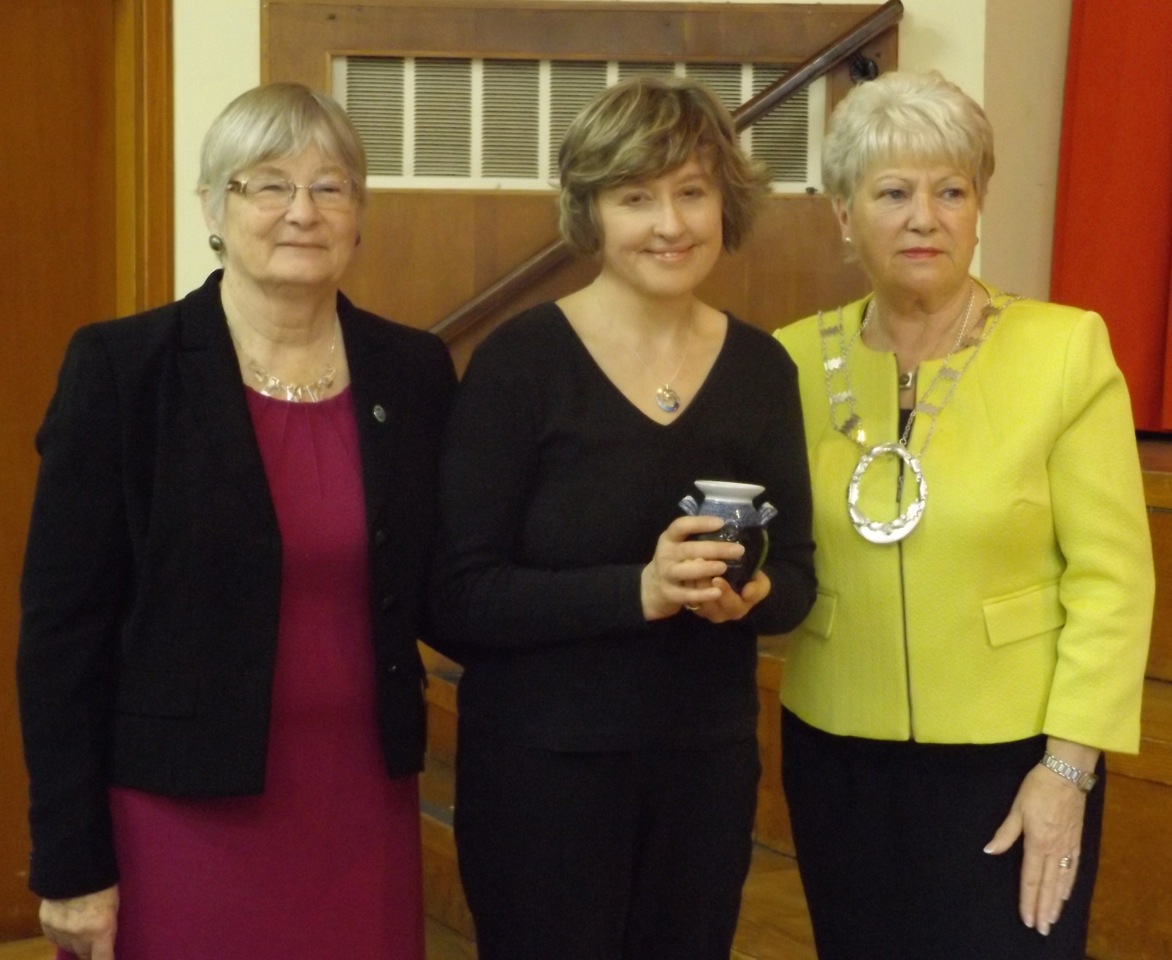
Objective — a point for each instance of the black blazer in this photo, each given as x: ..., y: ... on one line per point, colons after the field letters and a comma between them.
x: 153, y: 569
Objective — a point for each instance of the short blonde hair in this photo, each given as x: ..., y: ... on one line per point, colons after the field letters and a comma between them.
x: 903, y: 115
x: 643, y: 128
x: 276, y: 120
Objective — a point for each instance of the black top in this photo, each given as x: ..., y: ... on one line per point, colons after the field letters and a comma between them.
x: 554, y: 492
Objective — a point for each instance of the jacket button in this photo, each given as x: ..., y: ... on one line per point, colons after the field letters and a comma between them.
x: 388, y: 601
x: 380, y: 538
x: 379, y: 413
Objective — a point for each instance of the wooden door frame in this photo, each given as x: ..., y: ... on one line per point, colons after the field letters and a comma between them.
x: 144, y: 154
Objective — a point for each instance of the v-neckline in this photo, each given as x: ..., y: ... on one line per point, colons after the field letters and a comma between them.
x: 626, y: 401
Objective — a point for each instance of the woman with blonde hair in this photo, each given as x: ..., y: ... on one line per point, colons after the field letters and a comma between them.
x: 607, y: 764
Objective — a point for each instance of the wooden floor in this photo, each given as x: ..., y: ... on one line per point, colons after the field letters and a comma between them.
x: 442, y: 944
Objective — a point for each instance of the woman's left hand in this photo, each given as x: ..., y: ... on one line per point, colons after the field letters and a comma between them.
x: 731, y: 605
x: 1047, y: 814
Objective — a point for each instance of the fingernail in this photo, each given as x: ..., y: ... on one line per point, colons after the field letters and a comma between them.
x: 988, y: 848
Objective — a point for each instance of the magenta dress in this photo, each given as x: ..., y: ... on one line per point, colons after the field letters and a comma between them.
x: 326, y: 863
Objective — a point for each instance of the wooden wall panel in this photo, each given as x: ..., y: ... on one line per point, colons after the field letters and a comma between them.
x: 425, y: 254
x: 298, y: 37
x: 771, y: 825
x: 1154, y: 760
x: 1156, y: 459
x: 1160, y: 655
x: 1131, y: 918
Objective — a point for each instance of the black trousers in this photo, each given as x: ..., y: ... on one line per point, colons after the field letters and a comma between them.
x: 602, y: 856
x: 890, y: 840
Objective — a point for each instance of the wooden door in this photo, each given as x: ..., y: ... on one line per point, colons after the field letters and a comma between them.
x: 85, y: 187
x: 57, y: 187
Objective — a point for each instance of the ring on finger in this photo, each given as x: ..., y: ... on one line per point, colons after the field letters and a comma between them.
x: 1065, y: 863
x: 692, y: 606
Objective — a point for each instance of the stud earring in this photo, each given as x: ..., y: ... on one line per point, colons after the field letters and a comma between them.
x: 216, y: 242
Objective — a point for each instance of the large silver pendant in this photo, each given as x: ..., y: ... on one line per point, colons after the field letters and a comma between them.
x: 890, y: 531
x: 667, y: 399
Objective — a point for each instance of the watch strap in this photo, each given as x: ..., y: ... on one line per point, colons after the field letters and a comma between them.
x: 1082, y: 779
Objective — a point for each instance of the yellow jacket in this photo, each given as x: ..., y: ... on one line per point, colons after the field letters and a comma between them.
x: 1022, y: 602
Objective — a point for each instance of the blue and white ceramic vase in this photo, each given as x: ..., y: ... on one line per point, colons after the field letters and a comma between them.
x: 743, y: 523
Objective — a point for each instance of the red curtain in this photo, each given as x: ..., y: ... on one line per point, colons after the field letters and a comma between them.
x: 1113, y: 224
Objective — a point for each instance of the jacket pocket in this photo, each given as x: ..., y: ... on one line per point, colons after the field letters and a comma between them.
x: 147, y: 693
x: 1024, y: 614
x: 820, y: 620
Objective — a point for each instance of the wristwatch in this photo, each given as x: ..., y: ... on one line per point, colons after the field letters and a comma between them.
x: 1080, y: 778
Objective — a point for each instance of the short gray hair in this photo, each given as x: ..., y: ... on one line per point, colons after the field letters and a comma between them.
x: 903, y: 115
x: 276, y: 120
x: 643, y: 128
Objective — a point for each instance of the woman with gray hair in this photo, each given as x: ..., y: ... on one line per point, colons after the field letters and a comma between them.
x: 984, y: 568
x: 607, y: 764
x: 219, y: 684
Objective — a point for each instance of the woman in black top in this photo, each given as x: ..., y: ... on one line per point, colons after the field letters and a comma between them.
x: 607, y: 764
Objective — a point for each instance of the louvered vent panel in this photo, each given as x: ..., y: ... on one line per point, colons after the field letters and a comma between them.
x: 506, y: 126
x: 647, y: 68
x: 512, y: 118
x: 443, y: 117
x: 374, y: 101
x: 723, y: 78
x: 573, y: 84
x: 781, y: 139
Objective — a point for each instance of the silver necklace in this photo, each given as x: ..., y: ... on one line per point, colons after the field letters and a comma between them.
x: 666, y: 397
x: 891, y: 531
x: 269, y: 385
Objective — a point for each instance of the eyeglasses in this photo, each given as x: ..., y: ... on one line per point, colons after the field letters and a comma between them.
x: 277, y: 193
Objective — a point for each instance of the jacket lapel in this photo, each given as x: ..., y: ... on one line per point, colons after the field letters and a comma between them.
x: 374, y: 379
x: 210, y: 377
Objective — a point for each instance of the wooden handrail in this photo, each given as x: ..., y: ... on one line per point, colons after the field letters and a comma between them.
x: 820, y: 63
x: 538, y: 266
x: 552, y: 256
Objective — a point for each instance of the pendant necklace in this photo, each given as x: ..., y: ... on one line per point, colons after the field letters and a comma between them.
x: 269, y: 385
x: 841, y: 395
x: 666, y: 398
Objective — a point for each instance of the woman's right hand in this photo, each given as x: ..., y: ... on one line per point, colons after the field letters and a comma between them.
x: 83, y: 926
x: 680, y: 574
